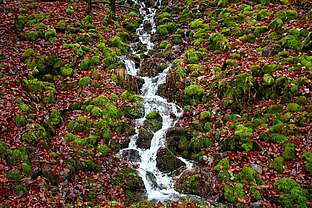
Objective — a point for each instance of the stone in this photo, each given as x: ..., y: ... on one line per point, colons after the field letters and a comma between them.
x: 145, y: 138
x: 166, y: 161
x: 131, y: 155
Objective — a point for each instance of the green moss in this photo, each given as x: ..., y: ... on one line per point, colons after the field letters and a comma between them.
x: 262, y: 14
x: 255, y: 193
x: 233, y: 193
x: 29, y: 52
x: 268, y: 80
x: 269, y: 68
x: 16, y: 155
x: 103, y: 149
x: 235, y: 56
x: 279, y: 138
x: 301, y: 100
x: 196, y: 23
x: 20, y: 120
x: 193, y: 56
x: 50, y: 34
x: 55, y: 118
x: 19, y: 189
x: 205, y: 115
x: 277, y: 164
x: 30, y: 36
x: 287, y: 14
x: 118, y: 43
x: 193, y: 93
x: 14, y: 174
x: 217, y: 41
x: 191, y: 183
x: 95, y: 60
x: 307, y: 157
x: 249, y: 174
x: 69, y: 137
x: 80, y: 123
x: 35, y: 134
x: 164, y: 44
x: 21, y: 23
x: 89, y: 165
x: 275, y: 108
x: 289, y: 152
x: 85, y: 63
x: 250, y: 38
x: 162, y: 29
x: 67, y: 71
x: 61, y: 25
x: 84, y: 81
x: 291, y: 195
x: 27, y: 169
x: 277, y: 23
x: 222, y: 168
x: 293, y: 107
x: 129, y: 179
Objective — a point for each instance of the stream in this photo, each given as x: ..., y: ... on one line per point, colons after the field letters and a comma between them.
x: 164, y: 187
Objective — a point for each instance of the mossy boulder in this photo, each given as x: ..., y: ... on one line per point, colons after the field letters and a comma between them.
x: 153, y: 121
x: 166, y: 161
x: 201, y: 182
x: 144, y: 138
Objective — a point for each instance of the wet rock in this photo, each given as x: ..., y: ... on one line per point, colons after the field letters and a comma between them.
x: 145, y: 138
x: 134, y: 110
x: 166, y: 161
x: 131, y: 155
x: 150, y: 67
x: 202, y: 182
x: 153, y: 121
x: 129, y: 82
x: 178, y: 140
x: 152, y: 179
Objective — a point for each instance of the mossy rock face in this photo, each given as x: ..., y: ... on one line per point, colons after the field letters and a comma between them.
x: 166, y: 161
x: 145, y: 138
x: 201, y: 182
x: 152, y: 66
x: 153, y: 121
x: 135, y: 110
x: 178, y: 140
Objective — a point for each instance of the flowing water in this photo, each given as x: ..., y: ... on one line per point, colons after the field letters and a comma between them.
x: 164, y: 187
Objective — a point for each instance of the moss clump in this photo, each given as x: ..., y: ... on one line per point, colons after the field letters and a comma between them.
x: 14, y: 174
x: 118, y: 43
x: 293, y: 107
x: 193, y: 94
x: 218, y: 41
x: 50, y: 34
x: 279, y: 138
x: 27, y: 169
x: 196, y: 23
x: 16, y: 155
x: 191, y: 183
x: 255, y: 193
x: 277, y: 164
x: 289, y: 152
x: 205, y: 115
x: 277, y: 23
x: 19, y: 189
x: 244, y: 133
x: 291, y: 194
x: 21, y: 23
x: 85, y: 63
x: 193, y: 56
x: 84, y: 81
x: 61, y: 25
x: 275, y: 108
x: 249, y: 174
x: 129, y: 179
x: 103, y: 149
x: 69, y: 137
x: 222, y: 168
x: 153, y: 121
x: 301, y: 100
x: 287, y: 14
x: 35, y: 134
x: 233, y: 192
x: 80, y: 123
x: 20, y: 120
x: 268, y: 80
x: 29, y: 52
x: 307, y: 156
x: 67, y: 71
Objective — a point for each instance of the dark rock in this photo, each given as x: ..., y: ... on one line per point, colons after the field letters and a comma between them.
x: 202, y: 182
x: 131, y: 83
x: 152, y: 66
x: 145, y: 138
x: 131, y: 155
x: 166, y: 161
x: 152, y: 179
x: 153, y: 121
x: 178, y: 141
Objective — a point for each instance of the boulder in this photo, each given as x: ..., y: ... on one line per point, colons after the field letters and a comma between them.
x: 131, y: 155
x: 202, y: 182
x: 145, y: 138
x: 166, y: 161
x: 153, y: 121
x: 150, y: 67
x: 178, y: 141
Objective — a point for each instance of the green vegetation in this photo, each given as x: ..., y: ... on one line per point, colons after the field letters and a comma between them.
x: 277, y: 164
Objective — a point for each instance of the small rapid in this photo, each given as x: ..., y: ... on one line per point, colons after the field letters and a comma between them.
x: 162, y: 186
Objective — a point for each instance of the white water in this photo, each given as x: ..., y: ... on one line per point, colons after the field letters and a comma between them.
x: 152, y: 102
